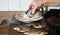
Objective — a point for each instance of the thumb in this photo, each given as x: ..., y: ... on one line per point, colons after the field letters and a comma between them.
x: 30, y: 6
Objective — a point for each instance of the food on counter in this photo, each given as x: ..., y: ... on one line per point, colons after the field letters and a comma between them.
x: 43, y: 33
x: 38, y: 25
x: 36, y: 33
x: 26, y: 29
x: 30, y: 16
x: 21, y: 29
x: 17, y: 28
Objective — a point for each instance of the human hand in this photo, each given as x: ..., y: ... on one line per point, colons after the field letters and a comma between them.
x: 36, y: 4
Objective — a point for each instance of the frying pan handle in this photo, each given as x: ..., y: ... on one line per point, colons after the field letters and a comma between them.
x: 27, y: 11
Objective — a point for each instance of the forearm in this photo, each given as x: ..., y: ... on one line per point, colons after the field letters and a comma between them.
x: 52, y: 3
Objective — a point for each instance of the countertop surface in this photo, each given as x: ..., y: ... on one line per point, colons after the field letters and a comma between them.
x: 6, y: 29
x: 8, y: 14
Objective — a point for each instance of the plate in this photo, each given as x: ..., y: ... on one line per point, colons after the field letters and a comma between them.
x: 20, y: 17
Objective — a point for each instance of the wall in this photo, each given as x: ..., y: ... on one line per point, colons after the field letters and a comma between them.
x: 25, y: 4
x: 3, y: 5
x: 10, y: 5
x: 16, y: 5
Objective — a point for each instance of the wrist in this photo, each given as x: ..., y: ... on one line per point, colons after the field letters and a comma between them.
x: 46, y: 1
x: 52, y: 3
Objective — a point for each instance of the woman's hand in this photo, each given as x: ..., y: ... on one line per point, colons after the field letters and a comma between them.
x: 36, y: 4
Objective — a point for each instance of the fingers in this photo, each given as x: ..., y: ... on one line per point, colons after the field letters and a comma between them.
x: 34, y: 9
x: 35, y: 5
x: 30, y: 6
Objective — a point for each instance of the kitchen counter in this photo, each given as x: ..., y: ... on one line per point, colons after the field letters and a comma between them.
x: 7, y: 29
x: 8, y: 14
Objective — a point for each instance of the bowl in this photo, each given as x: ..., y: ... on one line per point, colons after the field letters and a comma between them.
x: 22, y: 17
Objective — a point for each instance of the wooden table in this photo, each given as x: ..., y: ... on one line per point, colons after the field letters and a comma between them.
x: 8, y: 14
x: 7, y: 29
